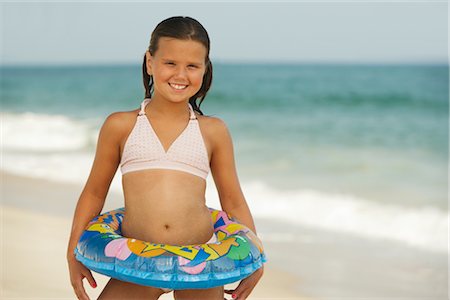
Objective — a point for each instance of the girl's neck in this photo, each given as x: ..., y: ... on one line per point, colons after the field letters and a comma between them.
x: 168, y: 109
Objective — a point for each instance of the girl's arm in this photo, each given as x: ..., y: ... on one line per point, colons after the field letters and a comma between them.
x: 231, y: 197
x: 92, y: 198
x: 223, y: 169
x: 104, y: 167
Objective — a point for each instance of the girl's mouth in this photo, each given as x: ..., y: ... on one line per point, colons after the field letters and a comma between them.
x: 178, y: 87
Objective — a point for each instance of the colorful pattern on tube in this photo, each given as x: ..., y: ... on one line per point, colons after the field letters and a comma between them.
x: 237, y: 253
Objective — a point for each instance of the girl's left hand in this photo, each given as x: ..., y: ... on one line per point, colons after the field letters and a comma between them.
x: 246, y: 286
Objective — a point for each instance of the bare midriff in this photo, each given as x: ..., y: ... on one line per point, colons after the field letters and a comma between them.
x: 166, y: 206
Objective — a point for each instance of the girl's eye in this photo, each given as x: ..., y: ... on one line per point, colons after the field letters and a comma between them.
x: 169, y: 63
x: 192, y: 66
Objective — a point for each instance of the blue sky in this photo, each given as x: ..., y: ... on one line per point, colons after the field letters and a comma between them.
x: 41, y: 33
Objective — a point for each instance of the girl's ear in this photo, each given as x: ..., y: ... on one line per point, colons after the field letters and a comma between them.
x: 148, y: 60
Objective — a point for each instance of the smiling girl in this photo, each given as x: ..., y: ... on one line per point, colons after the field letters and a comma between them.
x: 165, y: 149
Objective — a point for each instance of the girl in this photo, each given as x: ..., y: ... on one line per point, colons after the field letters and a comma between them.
x: 165, y: 150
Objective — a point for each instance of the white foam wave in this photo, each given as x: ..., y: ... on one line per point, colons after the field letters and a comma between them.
x: 425, y: 228
x: 43, y: 133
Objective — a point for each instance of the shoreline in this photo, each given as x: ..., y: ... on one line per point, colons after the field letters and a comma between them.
x: 35, y: 229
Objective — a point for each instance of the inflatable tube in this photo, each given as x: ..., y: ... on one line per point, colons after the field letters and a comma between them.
x: 237, y: 253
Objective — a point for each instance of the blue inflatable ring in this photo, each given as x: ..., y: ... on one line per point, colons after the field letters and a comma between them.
x: 237, y: 253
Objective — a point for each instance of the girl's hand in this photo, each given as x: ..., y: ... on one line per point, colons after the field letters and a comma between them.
x: 246, y: 286
x: 77, y: 272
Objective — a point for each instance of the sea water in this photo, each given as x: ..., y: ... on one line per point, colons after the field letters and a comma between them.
x: 351, y: 149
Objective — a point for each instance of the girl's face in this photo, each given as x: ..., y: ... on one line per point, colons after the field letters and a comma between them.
x: 177, y: 68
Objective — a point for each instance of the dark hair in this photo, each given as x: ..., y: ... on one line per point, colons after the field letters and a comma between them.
x: 183, y: 28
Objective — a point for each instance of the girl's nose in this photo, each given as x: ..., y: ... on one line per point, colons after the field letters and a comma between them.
x: 181, y: 72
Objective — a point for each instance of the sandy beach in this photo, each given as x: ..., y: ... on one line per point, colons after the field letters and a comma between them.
x: 35, y: 224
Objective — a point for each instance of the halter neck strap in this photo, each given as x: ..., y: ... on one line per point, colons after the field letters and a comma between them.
x: 144, y: 103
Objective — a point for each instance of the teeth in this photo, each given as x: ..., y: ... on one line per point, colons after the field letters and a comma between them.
x: 178, y: 87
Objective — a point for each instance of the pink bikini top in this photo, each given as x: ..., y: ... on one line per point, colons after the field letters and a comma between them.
x: 143, y: 149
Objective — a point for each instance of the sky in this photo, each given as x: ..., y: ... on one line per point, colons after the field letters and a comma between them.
x: 71, y: 33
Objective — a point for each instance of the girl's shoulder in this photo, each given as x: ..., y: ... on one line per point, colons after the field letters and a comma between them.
x: 122, y: 117
x: 211, y: 123
x: 213, y: 127
x: 120, y: 122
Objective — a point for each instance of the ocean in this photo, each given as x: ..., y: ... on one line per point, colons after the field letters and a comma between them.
x: 357, y: 150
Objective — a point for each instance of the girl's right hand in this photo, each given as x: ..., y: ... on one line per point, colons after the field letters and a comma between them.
x: 77, y: 273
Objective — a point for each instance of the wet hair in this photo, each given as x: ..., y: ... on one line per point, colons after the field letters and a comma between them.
x: 183, y: 28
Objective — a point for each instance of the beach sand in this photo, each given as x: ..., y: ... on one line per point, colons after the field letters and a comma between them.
x: 36, y: 218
